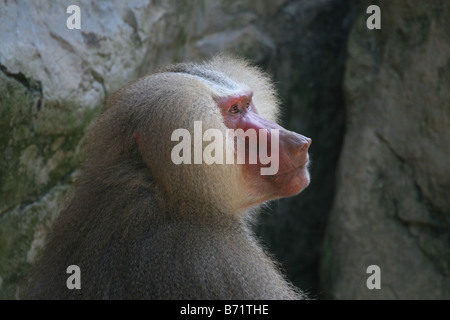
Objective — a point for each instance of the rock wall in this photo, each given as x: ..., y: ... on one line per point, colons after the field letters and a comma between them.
x: 392, y: 206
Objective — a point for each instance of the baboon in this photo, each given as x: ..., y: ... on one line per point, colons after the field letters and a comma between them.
x: 140, y: 226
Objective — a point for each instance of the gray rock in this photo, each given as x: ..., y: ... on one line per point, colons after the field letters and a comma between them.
x: 392, y: 207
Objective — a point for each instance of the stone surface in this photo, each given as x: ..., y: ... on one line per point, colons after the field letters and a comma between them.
x: 392, y: 207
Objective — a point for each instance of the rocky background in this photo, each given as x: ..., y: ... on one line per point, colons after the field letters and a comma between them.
x: 375, y: 102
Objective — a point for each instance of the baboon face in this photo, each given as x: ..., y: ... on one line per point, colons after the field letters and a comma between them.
x: 238, y: 101
x: 290, y: 174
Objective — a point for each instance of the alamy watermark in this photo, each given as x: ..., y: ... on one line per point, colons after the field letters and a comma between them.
x: 374, y: 280
x: 213, y: 153
x: 74, y: 281
x: 374, y: 21
x: 74, y: 20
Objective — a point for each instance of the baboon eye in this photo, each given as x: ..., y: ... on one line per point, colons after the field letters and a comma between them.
x: 247, y: 106
x: 234, y: 109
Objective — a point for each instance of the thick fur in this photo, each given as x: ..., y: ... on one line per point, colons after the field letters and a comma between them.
x: 140, y: 227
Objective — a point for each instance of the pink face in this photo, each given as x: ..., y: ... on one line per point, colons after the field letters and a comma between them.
x: 239, y: 112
